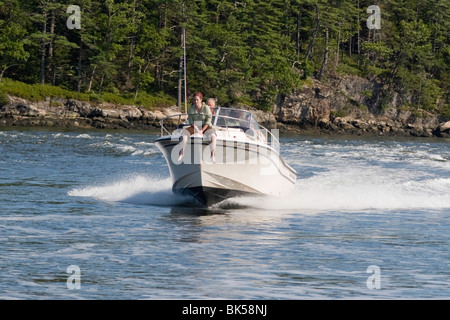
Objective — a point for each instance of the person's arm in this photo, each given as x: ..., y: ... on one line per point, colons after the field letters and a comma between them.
x: 208, y: 118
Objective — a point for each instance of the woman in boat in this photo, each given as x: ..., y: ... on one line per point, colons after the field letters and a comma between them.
x: 198, y: 113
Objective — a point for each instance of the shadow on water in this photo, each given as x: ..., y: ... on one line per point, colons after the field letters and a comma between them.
x: 193, y: 208
x: 195, y: 211
x: 143, y: 191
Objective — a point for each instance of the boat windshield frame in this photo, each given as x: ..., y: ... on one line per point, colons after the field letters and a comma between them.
x: 234, y: 118
x: 226, y: 118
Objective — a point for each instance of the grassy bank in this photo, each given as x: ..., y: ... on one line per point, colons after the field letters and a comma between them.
x: 40, y: 92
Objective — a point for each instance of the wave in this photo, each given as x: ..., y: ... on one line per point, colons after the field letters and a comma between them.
x: 350, y: 191
x: 357, y: 189
x: 138, y: 189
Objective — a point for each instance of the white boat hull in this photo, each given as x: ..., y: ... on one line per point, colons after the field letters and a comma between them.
x: 241, y: 168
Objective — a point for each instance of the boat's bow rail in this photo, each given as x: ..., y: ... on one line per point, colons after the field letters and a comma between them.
x: 170, y: 123
x: 226, y: 120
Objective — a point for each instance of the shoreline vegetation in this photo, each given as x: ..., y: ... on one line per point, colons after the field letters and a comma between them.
x: 307, y: 111
x: 328, y: 66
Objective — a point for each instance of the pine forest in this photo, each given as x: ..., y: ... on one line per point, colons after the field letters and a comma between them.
x: 246, y: 51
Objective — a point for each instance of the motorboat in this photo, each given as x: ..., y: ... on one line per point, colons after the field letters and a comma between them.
x: 247, y: 159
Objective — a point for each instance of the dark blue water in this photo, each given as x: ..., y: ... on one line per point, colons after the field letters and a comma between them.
x: 369, y: 219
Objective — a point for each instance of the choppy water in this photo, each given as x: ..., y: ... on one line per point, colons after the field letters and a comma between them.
x: 369, y: 219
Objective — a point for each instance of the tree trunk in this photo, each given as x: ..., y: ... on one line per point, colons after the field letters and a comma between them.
x: 350, y: 44
x: 180, y: 83
x: 132, y: 49
x: 325, y: 56
x: 130, y: 59
x: 43, y: 50
x: 159, y: 68
x: 101, y: 84
x: 140, y: 71
x: 434, y: 40
x: 138, y: 80
x: 398, y: 59
x: 80, y: 57
x: 52, y: 68
x: 136, y: 91
x: 157, y: 73
x: 358, y: 39
x: 316, y: 30
x: 336, y: 61
x: 181, y: 70
x: 2, y: 73
x: 298, y: 39
x: 92, y: 79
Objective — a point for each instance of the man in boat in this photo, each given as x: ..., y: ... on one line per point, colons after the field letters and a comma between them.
x: 211, y: 102
x: 198, y: 113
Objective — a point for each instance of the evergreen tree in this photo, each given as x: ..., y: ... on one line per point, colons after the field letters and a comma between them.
x: 12, y: 36
x: 251, y: 51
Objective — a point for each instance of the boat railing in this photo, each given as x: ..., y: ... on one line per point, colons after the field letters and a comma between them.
x: 171, y: 123
x: 272, y: 138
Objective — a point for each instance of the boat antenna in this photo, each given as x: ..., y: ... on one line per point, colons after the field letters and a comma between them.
x: 184, y: 62
x: 184, y: 70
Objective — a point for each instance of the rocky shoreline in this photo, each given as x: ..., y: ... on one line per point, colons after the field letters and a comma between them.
x: 335, y: 109
x: 73, y: 114
x: 358, y: 106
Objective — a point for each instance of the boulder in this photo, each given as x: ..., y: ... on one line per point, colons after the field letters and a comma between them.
x: 355, y: 105
x: 443, y: 130
x: 444, y: 127
x: 307, y: 107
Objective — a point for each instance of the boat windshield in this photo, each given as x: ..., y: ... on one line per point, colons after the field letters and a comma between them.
x: 234, y: 118
x: 225, y: 118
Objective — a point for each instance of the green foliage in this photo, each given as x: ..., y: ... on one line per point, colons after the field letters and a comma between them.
x: 154, y: 101
x: 445, y: 112
x: 4, y: 100
x: 341, y: 113
x: 347, y: 69
x: 38, y: 92
x: 367, y: 93
x: 12, y: 36
x: 128, y: 51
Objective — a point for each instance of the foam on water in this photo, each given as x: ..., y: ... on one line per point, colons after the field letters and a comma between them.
x: 137, y: 189
x: 96, y: 202
x: 356, y: 189
x: 332, y: 176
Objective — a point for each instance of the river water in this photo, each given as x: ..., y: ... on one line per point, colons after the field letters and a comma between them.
x: 91, y: 215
